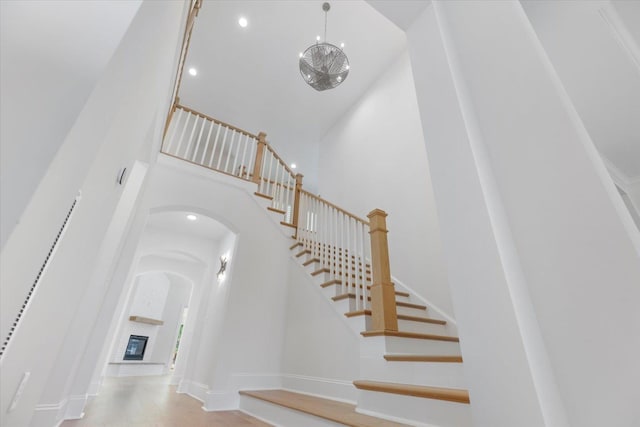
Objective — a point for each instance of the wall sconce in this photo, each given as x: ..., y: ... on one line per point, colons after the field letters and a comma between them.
x: 223, y: 266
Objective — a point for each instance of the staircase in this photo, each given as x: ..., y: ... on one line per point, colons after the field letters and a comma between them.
x: 410, y: 363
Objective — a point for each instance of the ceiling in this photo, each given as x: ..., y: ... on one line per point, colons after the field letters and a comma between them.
x: 249, y: 76
x: 176, y: 222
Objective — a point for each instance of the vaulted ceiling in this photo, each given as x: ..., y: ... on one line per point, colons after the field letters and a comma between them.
x: 249, y: 76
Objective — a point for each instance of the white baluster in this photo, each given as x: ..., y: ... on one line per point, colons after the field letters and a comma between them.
x: 253, y: 146
x: 224, y: 141
x: 195, y: 150
x: 215, y: 145
x: 184, y: 129
x: 190, y: 140
x: 229, y: 150
x: 243, y: 163
x: 174, y: 124
x: 206, y: 145
x: 269, y: 181
x: 235, y: 159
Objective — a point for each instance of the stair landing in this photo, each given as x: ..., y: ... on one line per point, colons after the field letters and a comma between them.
x: 332, y: 410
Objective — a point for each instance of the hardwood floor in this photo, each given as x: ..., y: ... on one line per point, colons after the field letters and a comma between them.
x: 152, y: 402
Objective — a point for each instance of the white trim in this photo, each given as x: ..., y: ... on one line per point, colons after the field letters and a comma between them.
x: 619, y: 178
x: 75, y: 407
x: 392, y: 418
x: 327, y: 388
x: 198, y: 391
x: 620, y: 33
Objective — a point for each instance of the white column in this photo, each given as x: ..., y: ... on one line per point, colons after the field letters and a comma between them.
x: 543, y: 267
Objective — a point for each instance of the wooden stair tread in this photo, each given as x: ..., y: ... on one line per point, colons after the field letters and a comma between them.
x: 339, y: 282
x: 264, y: 196
x: 304, y: 252
x: 422, y: 358
x: 310, y: 261
x: 411, y: 305
x: 440, y: 393
x: 414, y: 335
x: 400, y: 317
x: 295, y: 245
x: 332, y: 410
x: 280, y: 211
x: 286, y: 224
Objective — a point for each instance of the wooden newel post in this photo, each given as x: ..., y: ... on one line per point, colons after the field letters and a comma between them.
x: 257, y: 166
x: 383, y: 297
x: 296, y: 201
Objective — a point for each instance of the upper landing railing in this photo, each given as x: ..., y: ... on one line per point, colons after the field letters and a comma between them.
x: 351, y: 250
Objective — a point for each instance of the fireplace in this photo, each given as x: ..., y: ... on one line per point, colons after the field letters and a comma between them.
x: 135, y: 347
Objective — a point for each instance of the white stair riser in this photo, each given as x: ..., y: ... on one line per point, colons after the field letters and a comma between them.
x: 409, y: 311
x: 339, y: 289
x: 281, y: 416
x: 345, y: 305
x: 417, y: 410
x: 357, y: 324
x: 436, y: 374
x: 400, y: 345
x: 421, y: 327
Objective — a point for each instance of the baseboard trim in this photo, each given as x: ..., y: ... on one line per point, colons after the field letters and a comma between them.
x: 392, y: 418
x: 328, y: 388
x: 49, y: 413
x: 75, y: 407
x: 194, y: 389
x: 229, y: 399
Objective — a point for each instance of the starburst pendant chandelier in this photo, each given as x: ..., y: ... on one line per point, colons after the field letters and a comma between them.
x: 324, y: 66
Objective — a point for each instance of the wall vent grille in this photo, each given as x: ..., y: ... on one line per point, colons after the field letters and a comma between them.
x: 27, y: 300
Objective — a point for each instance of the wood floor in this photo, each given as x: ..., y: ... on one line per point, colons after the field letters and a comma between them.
x: 151, y: 402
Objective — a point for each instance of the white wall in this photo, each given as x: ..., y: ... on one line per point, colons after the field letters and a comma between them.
x: 120, y: 113
x: 542, y: 265
x: 253, y: 302
x: 321, y: 352
x: 155, y: 297
x: 375, y: 158
x: 51, y: 57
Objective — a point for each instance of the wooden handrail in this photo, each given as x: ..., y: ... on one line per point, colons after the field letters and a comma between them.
x: 220, y: 122
x: 182, y: 59
x: 357, y: 218
x: 287, y: 168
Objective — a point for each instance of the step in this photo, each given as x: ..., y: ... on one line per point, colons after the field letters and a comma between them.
x: 400, y: 342
x: 288, y: 408
x: 275, y: 210
x: 335, y: 287
x: 437, y: 374
x: 264, y: 196
x: 421, y: 405
x: 419, y: 324
x: 422, y: 358
x: 411, y: 309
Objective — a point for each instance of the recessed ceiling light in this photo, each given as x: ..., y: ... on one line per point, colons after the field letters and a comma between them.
x: 193, y: 71
x: 191, y: 217
x: 243, y: 22
x: 347, y: 67
x: 293, y: 166
x: 300, y: 55
x: 341, y: 45
x: 318, y: 38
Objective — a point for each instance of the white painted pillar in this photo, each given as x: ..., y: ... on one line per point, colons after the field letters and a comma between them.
x: 543, y: 266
